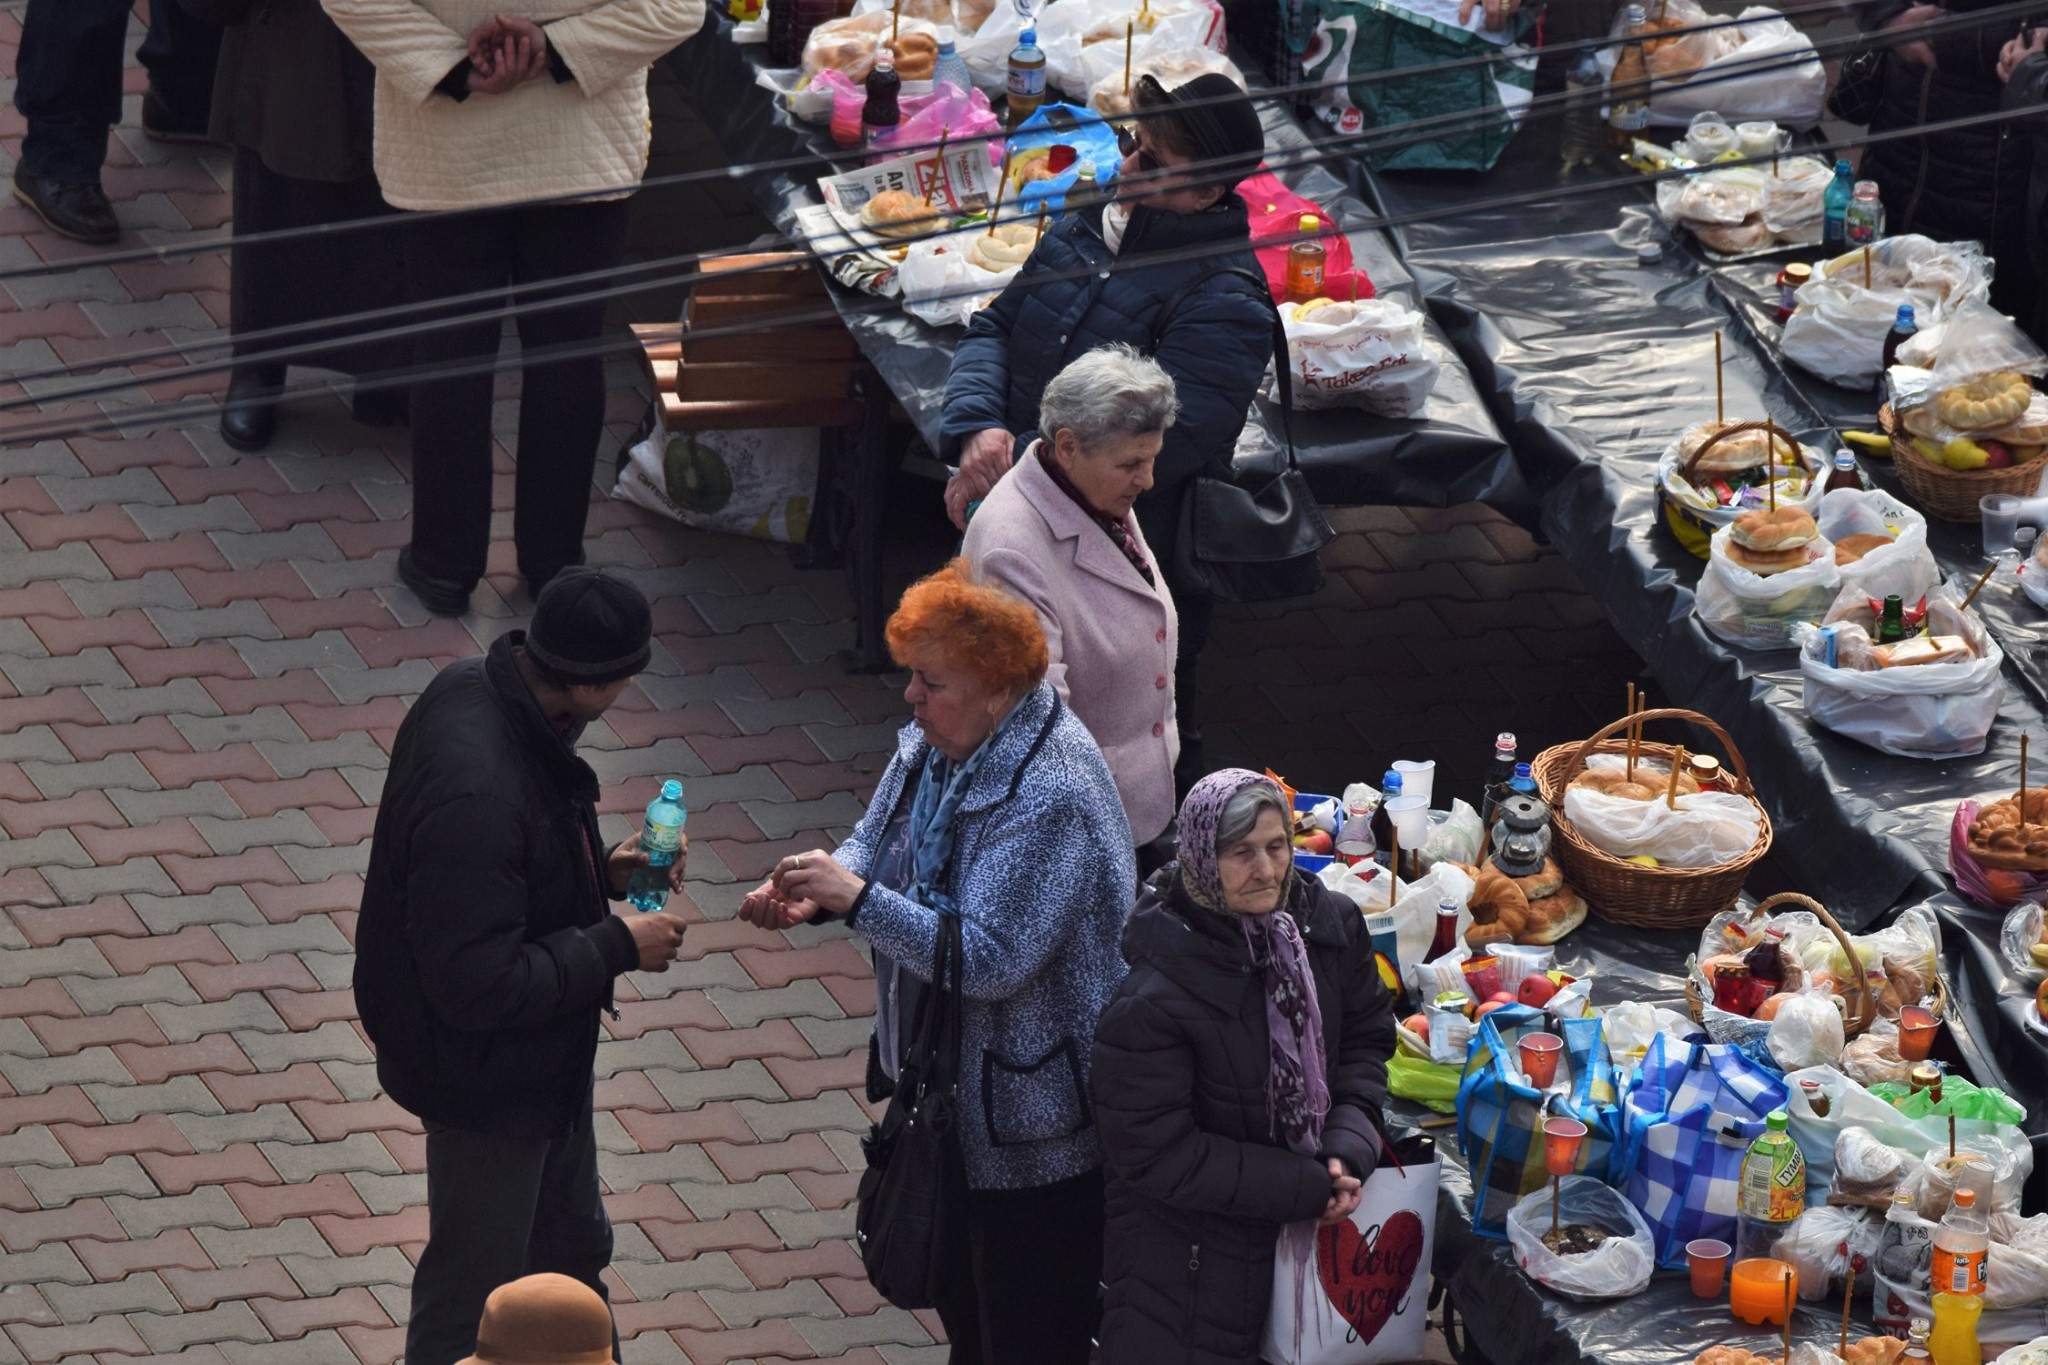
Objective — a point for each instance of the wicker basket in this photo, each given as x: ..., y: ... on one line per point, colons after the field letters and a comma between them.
x: 1951, y: 494
x: 1629, y: 893
x: 1861, y: 1008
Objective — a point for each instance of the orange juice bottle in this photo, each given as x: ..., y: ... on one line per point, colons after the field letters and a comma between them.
x: 1305, y: 263
x: 1961, y: 1244
x: 1954, y: 1339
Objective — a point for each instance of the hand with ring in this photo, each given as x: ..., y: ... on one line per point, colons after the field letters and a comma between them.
x: 817, y: 877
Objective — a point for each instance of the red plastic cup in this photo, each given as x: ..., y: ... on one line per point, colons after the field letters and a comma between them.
x: 1562, y: 1139
x: 1917, y: 1027
x: 1708, y: 1261
x: 1540, y: 1052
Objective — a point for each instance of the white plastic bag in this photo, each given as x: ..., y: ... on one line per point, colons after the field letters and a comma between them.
x: 1415, y: 913
x: 1983, y: 341
x: 1820, y: 1243
x: 1154, y: 54
x: 942, y: 287
x: 1456, y: 838
x: 1807, y: 1032
x: 1777, y: 87
x: 1906, y: 562
x: 1868, y: 1170
x: 1365, y: 1299
x: 1839, y: 327
x: 1940, y: 710
x: 1617, y: 1268
x: 751, y: 483
x: 2016, y: 940
x: 1759, y: 612
x: 1371, y: 354
x: 1705, y: 829
x: 1629, y: 1027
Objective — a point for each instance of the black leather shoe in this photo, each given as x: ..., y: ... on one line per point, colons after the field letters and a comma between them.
x: 437, y: 595
x: 71, y: 208
x: 248, y: 416
x: 160, y: 124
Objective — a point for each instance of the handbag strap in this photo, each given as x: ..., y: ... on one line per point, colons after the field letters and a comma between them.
x: 1261, y: 291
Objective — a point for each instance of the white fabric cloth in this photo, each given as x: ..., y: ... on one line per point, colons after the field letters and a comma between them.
x: 1115, y: 218
x: 540, y: 139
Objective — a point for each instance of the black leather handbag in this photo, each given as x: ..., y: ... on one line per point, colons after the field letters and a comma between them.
x: 1860, y: 87
x: 1254, y: 536
x: 911, y: 1224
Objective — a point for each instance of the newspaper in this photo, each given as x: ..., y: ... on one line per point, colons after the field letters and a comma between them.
x: 959, y: 181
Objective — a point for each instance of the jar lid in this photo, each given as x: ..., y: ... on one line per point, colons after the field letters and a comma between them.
x: 1649, y: 253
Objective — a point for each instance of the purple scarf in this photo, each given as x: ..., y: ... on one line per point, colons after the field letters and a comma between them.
x: 1297, y: 1077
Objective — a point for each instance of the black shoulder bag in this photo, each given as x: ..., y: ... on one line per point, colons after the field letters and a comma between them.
x: 1860, y: 88
x: 1254, y: 536
x: 911, y: 1222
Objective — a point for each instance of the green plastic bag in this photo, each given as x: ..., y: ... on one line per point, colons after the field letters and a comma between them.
x: 1341, y: 42
x: 1434, y: 1085
x: 1959, y: 1099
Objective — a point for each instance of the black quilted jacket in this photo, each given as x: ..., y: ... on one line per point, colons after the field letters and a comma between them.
x: 1198, y: 1187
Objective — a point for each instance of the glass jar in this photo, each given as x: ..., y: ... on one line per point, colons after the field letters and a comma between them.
x: 1865, y: 222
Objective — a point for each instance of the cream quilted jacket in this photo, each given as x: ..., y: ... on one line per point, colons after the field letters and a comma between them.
x: 539, y: 139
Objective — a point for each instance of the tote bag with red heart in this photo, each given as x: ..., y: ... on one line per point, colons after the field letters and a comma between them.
x: 1370, y: 1296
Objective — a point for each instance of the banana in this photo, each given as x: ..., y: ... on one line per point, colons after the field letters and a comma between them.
x: 1869, y: 440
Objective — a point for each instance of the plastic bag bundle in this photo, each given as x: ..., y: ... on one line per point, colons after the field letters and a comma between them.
x: 1759, y: 611
x: 1873, y: 1058
x: 1820, y: 1243
x: 2016, y: 1270
x: 849, y: 45
x: 1939, y: 710
x: 1982, y: 341
x: 1868, y: 1170
x: 1702, y: 829
x: 1839, y: 327
x: 1165, y: 54
x: 943, y: 286
x: 1794, y: 198
x: 1905, y: 566
x: 1630, y: 1026
x: 1703, y: 67
x: 1372, y: 354
x: 1455, y: 838
x: 1807, y: 1032
x: 1617, y: 1268
x: 2017, y: 937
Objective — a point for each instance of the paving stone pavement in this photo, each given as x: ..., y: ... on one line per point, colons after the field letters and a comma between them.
x: 204, y: 658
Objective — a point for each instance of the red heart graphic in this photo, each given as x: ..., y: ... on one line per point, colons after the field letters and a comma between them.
x: 1367, y: 1274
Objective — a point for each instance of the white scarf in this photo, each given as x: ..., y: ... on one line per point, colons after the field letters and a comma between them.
x: 1115, y: 218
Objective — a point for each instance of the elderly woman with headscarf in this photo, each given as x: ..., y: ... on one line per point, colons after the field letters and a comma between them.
x: 1239, y: 1077
x: 999, y: 810
x: 1058, y: 532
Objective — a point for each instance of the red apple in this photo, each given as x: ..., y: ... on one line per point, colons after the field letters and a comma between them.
x: 1417, y: 1024
x: 1501, y: 998
x: 2000, y: 455
x: 1490, y: 1006
x: 1536, y: 991
x: 1319, y: 843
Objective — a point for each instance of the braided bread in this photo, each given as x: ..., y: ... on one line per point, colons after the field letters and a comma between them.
x: 1992, y: 400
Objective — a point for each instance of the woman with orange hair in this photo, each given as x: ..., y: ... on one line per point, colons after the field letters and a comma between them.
x: 999, y: 810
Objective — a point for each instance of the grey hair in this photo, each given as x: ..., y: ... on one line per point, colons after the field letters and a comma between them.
x: 1112, y: 391
x: 1241, y: 812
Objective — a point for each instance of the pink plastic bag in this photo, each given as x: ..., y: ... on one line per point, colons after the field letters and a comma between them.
x: 1995, y: 887
x: 949, y: 111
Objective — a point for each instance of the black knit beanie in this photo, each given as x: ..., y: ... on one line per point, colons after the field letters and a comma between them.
x: 590, y: 627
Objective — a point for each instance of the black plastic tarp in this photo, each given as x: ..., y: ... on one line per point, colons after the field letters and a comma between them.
x: 1454, y: 453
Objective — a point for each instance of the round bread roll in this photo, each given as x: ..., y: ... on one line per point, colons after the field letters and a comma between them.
x: 1545, y: 881
x: 1552, y: 917
x: 1992, y: 400
x: 1768, y: 529
x: 2030, y: 428
x: 1008, y: 247
x: 1752, y: 449
x: 897, y: 213
x: 1497, y: 901
x: 1764, y: 563
x: 1750, y: 234
x: 1849, y: 549
x: 1649, y: 784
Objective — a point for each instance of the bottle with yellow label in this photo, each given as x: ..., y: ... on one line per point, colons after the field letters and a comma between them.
x: 1771, y: 1190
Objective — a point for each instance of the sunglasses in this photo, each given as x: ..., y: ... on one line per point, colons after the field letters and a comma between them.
x: 1127, y: 143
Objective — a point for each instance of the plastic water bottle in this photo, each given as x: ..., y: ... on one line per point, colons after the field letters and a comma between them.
x: 951, y: 66
x: 1583, y: 138
x: 660, y: 839
x: 1026, y: 84
x: 1834, y: 220
x: 1771, y: 1193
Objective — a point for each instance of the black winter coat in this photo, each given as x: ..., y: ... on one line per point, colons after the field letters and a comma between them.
x: 486, y: 948
x: 1216, y: 348
x: 1966, y: 184
x: 2029, y: 86
x: 1198, y: 1186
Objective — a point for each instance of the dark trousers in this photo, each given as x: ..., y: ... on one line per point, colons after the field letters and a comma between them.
x: 68, y: 78
x: 499, y: 1208
x: 561, y: 403
x: 1030, y: 1293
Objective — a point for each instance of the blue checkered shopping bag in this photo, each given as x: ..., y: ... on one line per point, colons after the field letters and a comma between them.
x: 1500, y: 1115
x: 1688, y: 1117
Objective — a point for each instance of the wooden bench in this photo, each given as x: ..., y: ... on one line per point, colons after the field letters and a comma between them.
x: 760, y: 346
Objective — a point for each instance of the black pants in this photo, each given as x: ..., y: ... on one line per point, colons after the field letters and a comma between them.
x: 561, y: 403
x: 69, y: 78
x: 499, y: 1208
x: 1030, y: 1294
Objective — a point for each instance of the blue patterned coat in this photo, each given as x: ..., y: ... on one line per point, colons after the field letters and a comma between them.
x: 1044, y: 875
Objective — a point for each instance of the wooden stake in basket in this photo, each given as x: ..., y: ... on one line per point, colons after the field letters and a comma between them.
x: 1982, y: 579
x: 1848, y: 1295
x: 1671, y: 783
x: 1788, y: 1318
x: 1393, y: 863
x: 1866, y: 265
x: 895, y: 21
x: 1951, y: 1137
x: 1001, y: 185
x: 1629, y: 709
x: 1720, y: 404
x: 2023, y: 779
x: 1130, y: 35
x: 1771, y: 469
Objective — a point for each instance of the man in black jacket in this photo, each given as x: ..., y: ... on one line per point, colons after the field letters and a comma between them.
x: 486, y: 950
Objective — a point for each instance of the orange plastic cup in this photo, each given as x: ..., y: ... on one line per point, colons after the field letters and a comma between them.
x: 1540, y: 1052
x: 1917, y: 1028
x: 1562, y: 1139
x: 1759, y: 1287
x: 1707, y: 1258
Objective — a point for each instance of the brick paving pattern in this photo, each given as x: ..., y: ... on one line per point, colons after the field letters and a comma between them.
x: 203, y: 660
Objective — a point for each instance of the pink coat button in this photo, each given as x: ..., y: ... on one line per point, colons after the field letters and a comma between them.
x: 1161, y: 637
x: 1158, y: 730
x: 1160, y: 682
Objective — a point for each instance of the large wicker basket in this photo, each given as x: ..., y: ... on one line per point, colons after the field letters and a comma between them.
x: 1629, y: 893
x: 1951, y: 494
x: 1862, y: 1009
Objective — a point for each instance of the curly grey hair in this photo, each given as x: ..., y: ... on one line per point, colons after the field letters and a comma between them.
x: 1242, y: 812
x: 1112, y: 391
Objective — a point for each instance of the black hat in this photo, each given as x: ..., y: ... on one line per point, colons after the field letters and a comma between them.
x: 590, y: 627
x: 1217, y: 116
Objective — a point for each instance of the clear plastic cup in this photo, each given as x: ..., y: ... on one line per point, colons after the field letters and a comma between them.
x: 2000, y: 517
x: 1410, y: 815
x: 1417, y: 778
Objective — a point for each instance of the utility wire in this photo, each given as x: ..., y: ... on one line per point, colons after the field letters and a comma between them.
x: 159, y: 415
x: 335, y: 331
x: 801, y: 161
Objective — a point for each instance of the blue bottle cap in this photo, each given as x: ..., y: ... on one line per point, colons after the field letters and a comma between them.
x: 1029, y: 38
x: 1391, y: 782
x: 671, y: 790
x: 1522, y: 770
x: 1842, y: 167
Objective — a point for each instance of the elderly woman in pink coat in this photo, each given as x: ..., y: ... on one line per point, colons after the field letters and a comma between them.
x: 1058, y: 532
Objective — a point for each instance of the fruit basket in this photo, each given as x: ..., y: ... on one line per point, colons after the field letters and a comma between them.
x: 1951, y: 494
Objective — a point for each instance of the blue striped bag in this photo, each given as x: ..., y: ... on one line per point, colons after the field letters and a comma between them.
x: 1689, y: 1114
x: 1500, y: 1115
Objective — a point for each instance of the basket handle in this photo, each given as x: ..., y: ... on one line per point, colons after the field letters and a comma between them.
x: 1758, y: 424
x: 1705, y: 722
x: 1866, y: 1008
